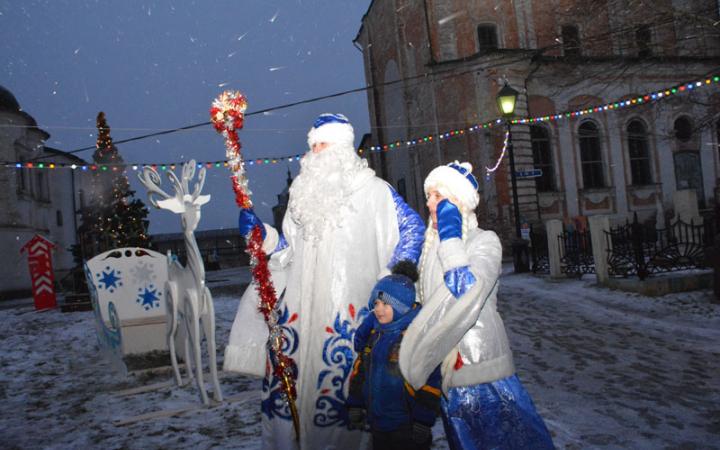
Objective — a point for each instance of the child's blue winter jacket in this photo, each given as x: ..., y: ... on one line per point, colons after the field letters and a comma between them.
x: 377, y: 385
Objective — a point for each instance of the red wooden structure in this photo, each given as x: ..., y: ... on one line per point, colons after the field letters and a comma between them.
x: 40, y: 263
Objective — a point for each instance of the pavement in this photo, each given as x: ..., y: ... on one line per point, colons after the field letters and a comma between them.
x: 606, y: 369
x: 610, y: 369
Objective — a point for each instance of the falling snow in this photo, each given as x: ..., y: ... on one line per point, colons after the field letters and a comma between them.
x: 158, y: 65
x: 446, y: 19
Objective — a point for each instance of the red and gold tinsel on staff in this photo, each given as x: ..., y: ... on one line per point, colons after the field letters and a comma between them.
x: 227, y: 115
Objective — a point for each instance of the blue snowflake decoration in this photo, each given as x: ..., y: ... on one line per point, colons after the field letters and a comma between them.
x: 149, y: 297
x: 109, y: 279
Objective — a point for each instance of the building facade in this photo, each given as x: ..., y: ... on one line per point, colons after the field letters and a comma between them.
x: 34, y: 201
x: 437, y: 65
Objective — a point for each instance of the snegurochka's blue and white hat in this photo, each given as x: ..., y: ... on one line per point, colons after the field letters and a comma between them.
x: 395, y: 290
x: 333, y: 129
x: 455, y: 180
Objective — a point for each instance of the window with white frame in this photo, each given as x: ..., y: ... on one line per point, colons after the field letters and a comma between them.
x: 639, y: 152
x: 591, y: 156
x: 542, y: 158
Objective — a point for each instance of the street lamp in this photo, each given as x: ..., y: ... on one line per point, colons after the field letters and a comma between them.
x: 506, y: 99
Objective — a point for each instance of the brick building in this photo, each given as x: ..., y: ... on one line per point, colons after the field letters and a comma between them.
x: 437, y: 66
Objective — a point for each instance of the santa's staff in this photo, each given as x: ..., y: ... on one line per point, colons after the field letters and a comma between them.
x: 227, y: 113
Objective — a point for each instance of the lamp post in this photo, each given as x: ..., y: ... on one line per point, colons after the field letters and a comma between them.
x: 506, y: 99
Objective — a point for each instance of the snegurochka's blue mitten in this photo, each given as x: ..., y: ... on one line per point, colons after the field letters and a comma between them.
x: 449, y: 220
x: 247, y: 221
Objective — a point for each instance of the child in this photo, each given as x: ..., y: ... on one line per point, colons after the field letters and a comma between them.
x: 398, y: 416
x: 486, y: 405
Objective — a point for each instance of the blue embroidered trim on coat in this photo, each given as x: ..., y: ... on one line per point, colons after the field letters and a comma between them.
x: 459, y: 280
x: 412, y: 232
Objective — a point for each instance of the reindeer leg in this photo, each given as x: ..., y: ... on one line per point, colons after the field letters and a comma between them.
x: 208, y: 322
x: 187, y: 339
x: 194, y: 332
x: 172, y: 323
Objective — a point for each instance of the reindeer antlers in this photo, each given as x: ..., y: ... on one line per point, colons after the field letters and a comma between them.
x: 150, y: 178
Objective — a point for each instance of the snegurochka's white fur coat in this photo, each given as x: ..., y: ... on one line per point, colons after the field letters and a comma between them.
x: 469, y: 325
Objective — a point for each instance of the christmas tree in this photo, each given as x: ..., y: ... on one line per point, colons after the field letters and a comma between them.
x: 115, y: 217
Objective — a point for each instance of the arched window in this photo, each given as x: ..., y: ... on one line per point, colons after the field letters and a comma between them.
x: 487, y: 37
x: 42, y: 190
x: 542, y: 158
x: 23, y: 179
x: 639, y: 153
x: 683, y: 129
x: 591, y: 156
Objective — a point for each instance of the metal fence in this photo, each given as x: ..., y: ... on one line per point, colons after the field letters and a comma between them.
x: 576, y: 255
x: 575, y: 249
x: 636, y: 249
x: 539, y: 250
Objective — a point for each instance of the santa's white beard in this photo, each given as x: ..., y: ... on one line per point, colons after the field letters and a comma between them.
x: 318, y: 192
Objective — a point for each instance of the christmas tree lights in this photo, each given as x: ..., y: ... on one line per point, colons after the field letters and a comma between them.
x: 115, y: 217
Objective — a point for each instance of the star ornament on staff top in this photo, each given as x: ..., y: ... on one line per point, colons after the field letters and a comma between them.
x: 227, y: 114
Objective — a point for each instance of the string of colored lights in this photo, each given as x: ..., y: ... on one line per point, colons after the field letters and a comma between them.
x: 612, y: 106
x: 136, y: 166
x: 650, y: 97
x: 489, y: 170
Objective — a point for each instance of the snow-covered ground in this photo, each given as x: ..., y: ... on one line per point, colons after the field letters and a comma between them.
x: 606, y: 369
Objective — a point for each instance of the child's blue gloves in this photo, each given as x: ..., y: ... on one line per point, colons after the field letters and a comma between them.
x: 449, y: 220
x: 247, y: 221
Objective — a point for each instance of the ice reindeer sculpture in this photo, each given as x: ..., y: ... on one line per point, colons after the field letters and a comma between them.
x: 189, y: 302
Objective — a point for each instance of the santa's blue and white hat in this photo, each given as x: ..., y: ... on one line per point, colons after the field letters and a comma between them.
x: 333, y: 129
x: 455, y: 180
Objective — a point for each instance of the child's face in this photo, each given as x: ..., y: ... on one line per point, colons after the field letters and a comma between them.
x: 383, y: 312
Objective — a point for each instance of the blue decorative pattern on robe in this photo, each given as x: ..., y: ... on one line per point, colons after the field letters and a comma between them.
x: 459, y: 280
x: 500, y: 414
x: 274, y: 404
x: 338, y: 357
x: 412, y: 232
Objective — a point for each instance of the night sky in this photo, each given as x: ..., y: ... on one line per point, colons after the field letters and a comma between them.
x: 157, y: 65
